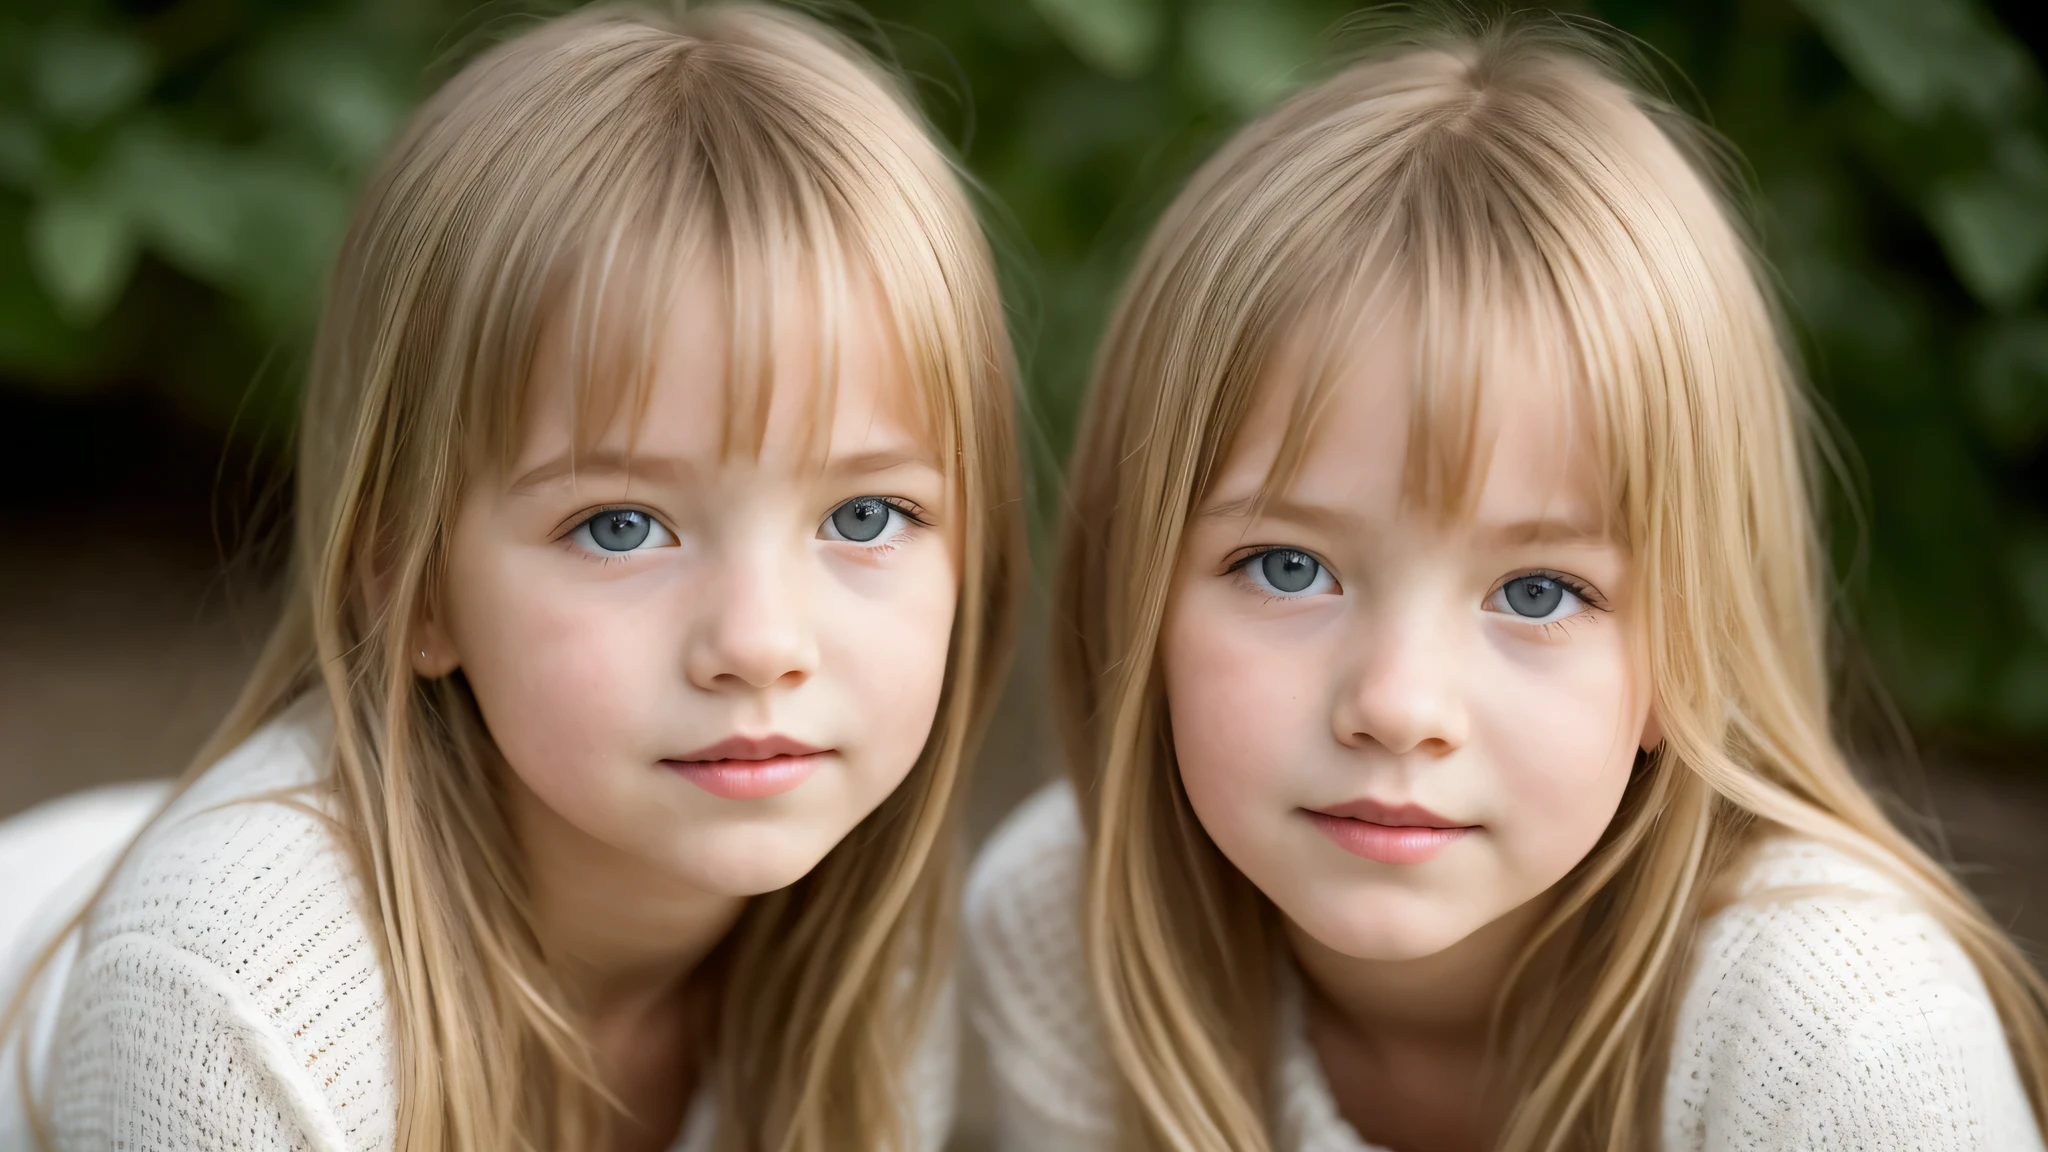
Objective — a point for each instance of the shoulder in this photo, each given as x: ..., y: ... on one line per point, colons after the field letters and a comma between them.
x: 1023, y: 897
x: 236, y: 925
x: 932, y: 1074
x: 1031, y: 1000
x: 1030, y: 869
x: 1825, y: 1009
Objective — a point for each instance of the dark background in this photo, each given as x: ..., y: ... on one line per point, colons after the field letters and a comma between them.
x: 175, y: 173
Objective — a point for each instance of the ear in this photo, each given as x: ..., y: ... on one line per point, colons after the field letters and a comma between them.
x: 1653, y: 730
x: 432, y: 650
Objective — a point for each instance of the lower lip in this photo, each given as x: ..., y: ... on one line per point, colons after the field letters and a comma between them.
x: 746, y: 779
x: 1386, y: 843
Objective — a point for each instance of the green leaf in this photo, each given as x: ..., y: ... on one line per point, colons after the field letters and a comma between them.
x: 83, y: 75
x: 183, y: 192
x: 291, y: 221
x: 1920, y: 56
x: 1118, y: 37
x: 2009, y: 382
x: 21, y: 152
x: 1246, y: 54
x: 324, y: 87
x: 1994, y: 225
x: 1995, y: 237
x: 35, y: 342
x: 82, y: 247
x: 258, y: 227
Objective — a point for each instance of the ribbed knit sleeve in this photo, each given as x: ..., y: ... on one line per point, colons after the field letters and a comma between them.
x: 931, y: 1081
x: 1054, y: 1086
x: 1825, y: 1012
x: 164, y: 1051
x: 227, y: 994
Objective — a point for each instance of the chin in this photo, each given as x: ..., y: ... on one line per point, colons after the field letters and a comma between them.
x: 746, y: 865
x: 1363, y: 928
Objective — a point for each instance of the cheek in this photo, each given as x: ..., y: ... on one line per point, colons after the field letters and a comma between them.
x: 886, y: 643
x: 554, y: 665
x: 1562, y: 737
x: 1236, y: 710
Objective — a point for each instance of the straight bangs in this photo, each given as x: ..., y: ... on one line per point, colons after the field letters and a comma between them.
x: 1484, y: 317
x: 706, y: 160
x: 1475, y: 230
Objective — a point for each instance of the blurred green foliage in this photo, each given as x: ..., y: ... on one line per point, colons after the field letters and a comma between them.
x: 174, y: 175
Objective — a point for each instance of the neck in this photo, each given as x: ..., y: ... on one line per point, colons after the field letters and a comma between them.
x: 1444, y: 999
x: 620, y: 935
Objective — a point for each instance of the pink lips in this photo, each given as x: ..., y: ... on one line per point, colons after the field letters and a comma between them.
x: 748, y: 767
x: 1389, y: 834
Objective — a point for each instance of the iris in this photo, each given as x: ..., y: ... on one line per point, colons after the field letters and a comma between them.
x: 861, y: 520
x: 1289, y: 571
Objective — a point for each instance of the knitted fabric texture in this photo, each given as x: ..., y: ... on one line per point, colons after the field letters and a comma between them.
x: 228, y: 993
x: 1822, y: 1012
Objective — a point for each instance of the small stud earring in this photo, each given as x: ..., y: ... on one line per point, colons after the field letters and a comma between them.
x: 423, y: 653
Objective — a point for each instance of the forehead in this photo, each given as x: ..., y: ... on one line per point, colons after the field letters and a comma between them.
x: 807, y: 375
x: 1370, y: 417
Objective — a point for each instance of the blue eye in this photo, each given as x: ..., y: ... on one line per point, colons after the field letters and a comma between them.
x: 1287, y: 572
x: 615, y: 531
x: 867, y: 520
x: 1536, y: 598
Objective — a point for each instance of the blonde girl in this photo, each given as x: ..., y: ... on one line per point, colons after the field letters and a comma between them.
x: 650, y: 582
x: 1443, y: 652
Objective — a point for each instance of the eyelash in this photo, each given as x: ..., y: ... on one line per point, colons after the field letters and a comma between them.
x: 1587, y: 594
x: 582, y: 518
x: 908, y: 507
x: 1244, y: 557
x: 911, y: 510
x: 1573, y: 584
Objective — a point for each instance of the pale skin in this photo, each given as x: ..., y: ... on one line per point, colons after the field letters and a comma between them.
x: 1343, y: 647
x: 617, y: 618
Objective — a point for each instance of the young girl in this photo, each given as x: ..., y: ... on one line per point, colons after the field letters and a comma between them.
x: 651, y: 579
x: 1445, y: 662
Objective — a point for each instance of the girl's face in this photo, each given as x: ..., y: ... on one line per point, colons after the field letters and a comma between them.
x: 714, y: 663
x: 1399, y: 728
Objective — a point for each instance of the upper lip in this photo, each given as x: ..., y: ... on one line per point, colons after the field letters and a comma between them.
x: 1391, y: 815
x: 751, y: 748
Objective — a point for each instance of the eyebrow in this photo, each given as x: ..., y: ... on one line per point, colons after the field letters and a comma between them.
x: 677, y: 469
x: 1533, y: 530
x: 1292, y: 511
x: 1549, y: 530
x: 880, y: 460
x: 600, y: 464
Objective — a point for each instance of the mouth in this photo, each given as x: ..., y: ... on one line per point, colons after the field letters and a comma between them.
x: 749, y: 767
x: 1386, y: 833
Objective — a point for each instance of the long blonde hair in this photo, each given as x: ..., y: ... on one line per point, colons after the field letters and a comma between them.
x: 565, y: 176
x: 1504, y: 176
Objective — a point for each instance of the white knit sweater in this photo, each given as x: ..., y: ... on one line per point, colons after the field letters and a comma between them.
x: 228, y: 995
x: 1830, y: 1016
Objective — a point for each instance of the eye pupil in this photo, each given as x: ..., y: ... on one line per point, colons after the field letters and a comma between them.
x: 1534, y: 595
x: 1288, y: 570
x: 861, y: 520
x: 620, y: 530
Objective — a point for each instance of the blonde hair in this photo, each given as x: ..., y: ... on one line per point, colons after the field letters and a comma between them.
x: 565, y: 176
x: 1503, y: 177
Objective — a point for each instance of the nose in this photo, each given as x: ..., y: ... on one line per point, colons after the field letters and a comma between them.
x: 1403, y: 693
x: 754, y: 624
